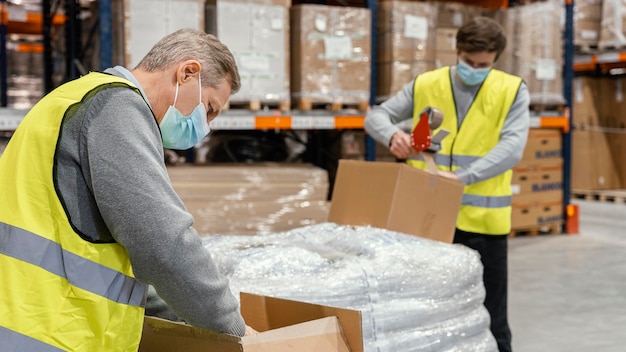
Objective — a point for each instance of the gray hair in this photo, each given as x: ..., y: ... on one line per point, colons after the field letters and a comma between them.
x: 218, y: 63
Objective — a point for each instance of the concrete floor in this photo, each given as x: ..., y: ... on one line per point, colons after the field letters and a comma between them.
x: 568, y: 292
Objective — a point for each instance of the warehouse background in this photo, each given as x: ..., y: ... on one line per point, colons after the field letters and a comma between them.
x: 311, y: 69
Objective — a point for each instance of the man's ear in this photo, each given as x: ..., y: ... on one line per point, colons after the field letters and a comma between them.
x: 187, y: 70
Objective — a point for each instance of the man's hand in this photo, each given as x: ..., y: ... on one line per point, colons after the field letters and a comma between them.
x: 400, y: 145
x: 448, y: 174
x: 250, y: 331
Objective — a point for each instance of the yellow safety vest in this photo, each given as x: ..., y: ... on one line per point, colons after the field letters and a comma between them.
x: 486, y: 205
x: 58, y: 292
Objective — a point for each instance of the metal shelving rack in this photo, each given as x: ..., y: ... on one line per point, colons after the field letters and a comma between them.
x: 323, y: 120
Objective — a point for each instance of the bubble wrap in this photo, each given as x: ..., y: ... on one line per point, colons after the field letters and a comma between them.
x: 414, y: 294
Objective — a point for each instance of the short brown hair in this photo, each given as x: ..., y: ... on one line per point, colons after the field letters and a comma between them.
x: 481, y: 34
x: 218, y: 63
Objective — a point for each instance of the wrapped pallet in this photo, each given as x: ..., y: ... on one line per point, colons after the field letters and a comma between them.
x: 587, y: 19
x: 414, y: 294
x: 535, y: 38
x: 330, y: 53
x: 252, y: 199
x: 613, y: 25
x: 147, y: 21
x: 257, y: 33
x: 407, y: 38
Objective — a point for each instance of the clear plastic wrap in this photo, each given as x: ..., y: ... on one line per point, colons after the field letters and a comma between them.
x: 613, y: 31
x: 414, y: 294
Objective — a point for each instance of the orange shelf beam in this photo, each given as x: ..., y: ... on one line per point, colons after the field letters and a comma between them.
x: 32, y: 25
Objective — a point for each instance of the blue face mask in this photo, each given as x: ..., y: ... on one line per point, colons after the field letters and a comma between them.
x: 469, y: 75
x: 183, y: 132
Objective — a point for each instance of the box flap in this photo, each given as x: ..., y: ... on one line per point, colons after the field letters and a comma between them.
x: 363, y: 193
x: 321, y: 335
x: 161, y: 335
x: 397, y: 197
x: 266, y: 313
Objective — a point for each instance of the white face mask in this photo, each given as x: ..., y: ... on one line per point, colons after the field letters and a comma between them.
x: 183, y: 132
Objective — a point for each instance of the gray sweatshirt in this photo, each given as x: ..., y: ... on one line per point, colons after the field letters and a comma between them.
x: 113, y: 182
x: 386, y: 119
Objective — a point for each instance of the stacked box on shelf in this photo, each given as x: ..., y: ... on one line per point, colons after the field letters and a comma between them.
x: 535, y: 50
x: 257, y: 33
x: 252, y: 199
x: 613, y: 25
x: 330, y: 56
x: 407, y: 41
x: 594, y: 166
x: 587, y: 19
x: 537, y: 182
x: 147, y: 21
x: 451, y: 16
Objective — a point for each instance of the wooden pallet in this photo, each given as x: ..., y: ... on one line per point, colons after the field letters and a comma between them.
x: 307, y: 104
x: 256, y: 105
x: 560, y: 108
x: 548, y: 229
x: 608, y: 196
x: 586, y: 48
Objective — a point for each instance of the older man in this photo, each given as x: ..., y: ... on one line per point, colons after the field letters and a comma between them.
x: 88, y: 217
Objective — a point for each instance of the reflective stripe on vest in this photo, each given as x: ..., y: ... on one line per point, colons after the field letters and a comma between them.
x: 58, y: 290
x: 486, y: 205
x: 79, y: 272
x: 20, y: 342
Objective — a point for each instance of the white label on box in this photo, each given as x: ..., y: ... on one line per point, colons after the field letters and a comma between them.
x: 321, y: 23
x: 254, y: 64
x: 415, y: 27
x: 546, y: 69
x: 578, y: 89
x: 338, y: 48
x: 17, y: 14
x: 302, y: 122
x: 457, y: 19
x: 516, y: 189
x: 619, y: 92
x: 276, y: 24
x: 589, y: 35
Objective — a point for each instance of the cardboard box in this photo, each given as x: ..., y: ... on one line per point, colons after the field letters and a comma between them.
x: 283, y: 325
x: 536, y: 209
x: 257, y: 33
x: 330, y: 53
x: 537, y: 176
x: 396, y: 197
x: 147, y: 21
x: 613, y: 24
x: 406, y: 32
x: 543, y: 143
x: 455, y: 14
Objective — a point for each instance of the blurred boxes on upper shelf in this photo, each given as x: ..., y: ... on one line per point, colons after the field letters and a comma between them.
x: 330, y: 53
x: 587, y: 20
x: 257, y: 33
x: 282, y: 325
x: 613, y: 25
x: 145, y: 22
x: 450, y: 17
x: 407, y: 41
x: 535, y: 49
x: 397, y: 197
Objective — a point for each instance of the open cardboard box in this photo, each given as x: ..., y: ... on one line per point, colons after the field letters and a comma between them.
x: 397, y: 197
x: 283, y: 325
